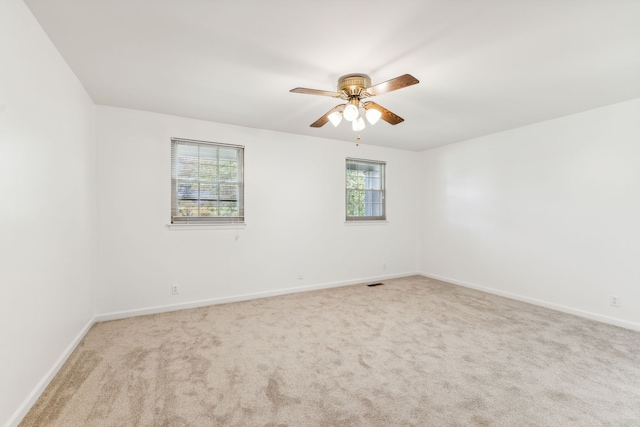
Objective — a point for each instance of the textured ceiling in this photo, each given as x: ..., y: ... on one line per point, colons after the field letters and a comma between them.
x: 484, y: 65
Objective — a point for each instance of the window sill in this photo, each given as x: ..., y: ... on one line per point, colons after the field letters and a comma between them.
x: 367, y: 222
x: 183, y: 227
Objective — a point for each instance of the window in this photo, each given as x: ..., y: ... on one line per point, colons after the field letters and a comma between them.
x: 365, y: 190
x: 206, y: 182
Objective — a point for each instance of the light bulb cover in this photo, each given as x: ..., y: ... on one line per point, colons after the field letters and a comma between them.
x: 350, y: 112
x: 373, y: 115
x: 358, y: 124
x: 335, y: 118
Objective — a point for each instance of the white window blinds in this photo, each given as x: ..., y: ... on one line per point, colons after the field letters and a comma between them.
x: 207, y: 182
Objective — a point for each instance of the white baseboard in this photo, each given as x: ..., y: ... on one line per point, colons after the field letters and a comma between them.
x: 243, y: 297
x: 22, y: 410
x: 553, y: 306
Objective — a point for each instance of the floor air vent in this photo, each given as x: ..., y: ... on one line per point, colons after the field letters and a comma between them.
x: 375, y: 284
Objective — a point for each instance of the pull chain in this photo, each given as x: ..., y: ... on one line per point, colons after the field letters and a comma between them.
x: 358, y: 141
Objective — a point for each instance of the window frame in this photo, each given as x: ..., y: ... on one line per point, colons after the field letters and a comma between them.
x: 206, y: 220
x: 381, y: 190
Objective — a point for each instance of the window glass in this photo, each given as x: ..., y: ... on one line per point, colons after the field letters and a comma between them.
x: 207, y: 182
x: 365, y: 190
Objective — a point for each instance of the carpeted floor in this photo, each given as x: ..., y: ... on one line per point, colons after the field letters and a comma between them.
x: 414, y: 352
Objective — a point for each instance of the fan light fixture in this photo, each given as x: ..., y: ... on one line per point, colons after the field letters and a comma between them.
x: 335, y: 118
x: 358, y: 124
x: 373, y: 115
x: 350, y: 112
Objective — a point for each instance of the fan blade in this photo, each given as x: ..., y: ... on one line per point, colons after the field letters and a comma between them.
x: 324, y: 119
x: 316, y: 92
x: 391, y: 85
x: 387, y: 115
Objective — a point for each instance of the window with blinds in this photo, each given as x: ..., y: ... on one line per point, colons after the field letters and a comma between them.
x: 207, y: 182
x: 365, y: 190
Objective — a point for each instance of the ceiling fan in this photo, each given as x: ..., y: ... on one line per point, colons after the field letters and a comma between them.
x: 353, y: 88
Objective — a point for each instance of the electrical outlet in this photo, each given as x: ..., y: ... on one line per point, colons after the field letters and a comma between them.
x: 300, y: 275
x: 384, y: 265
x: 175, y: 289
x: 614, y: 301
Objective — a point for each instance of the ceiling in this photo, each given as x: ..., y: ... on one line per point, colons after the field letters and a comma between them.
x: 484, y: 65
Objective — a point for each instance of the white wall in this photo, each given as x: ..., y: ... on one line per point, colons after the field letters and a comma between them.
x: 48, y: 212
x: 294, y: 214
x: 548, y: 213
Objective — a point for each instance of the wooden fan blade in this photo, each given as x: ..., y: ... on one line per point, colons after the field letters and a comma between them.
x: 316, y: 92
x: 387, y: 115
x: 391, y: 85
x: 324, y: 119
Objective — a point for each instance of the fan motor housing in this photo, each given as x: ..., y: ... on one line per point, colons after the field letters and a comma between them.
x: 353, y: 84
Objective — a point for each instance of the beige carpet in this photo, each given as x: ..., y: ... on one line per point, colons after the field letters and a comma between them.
x: 414, y: 352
